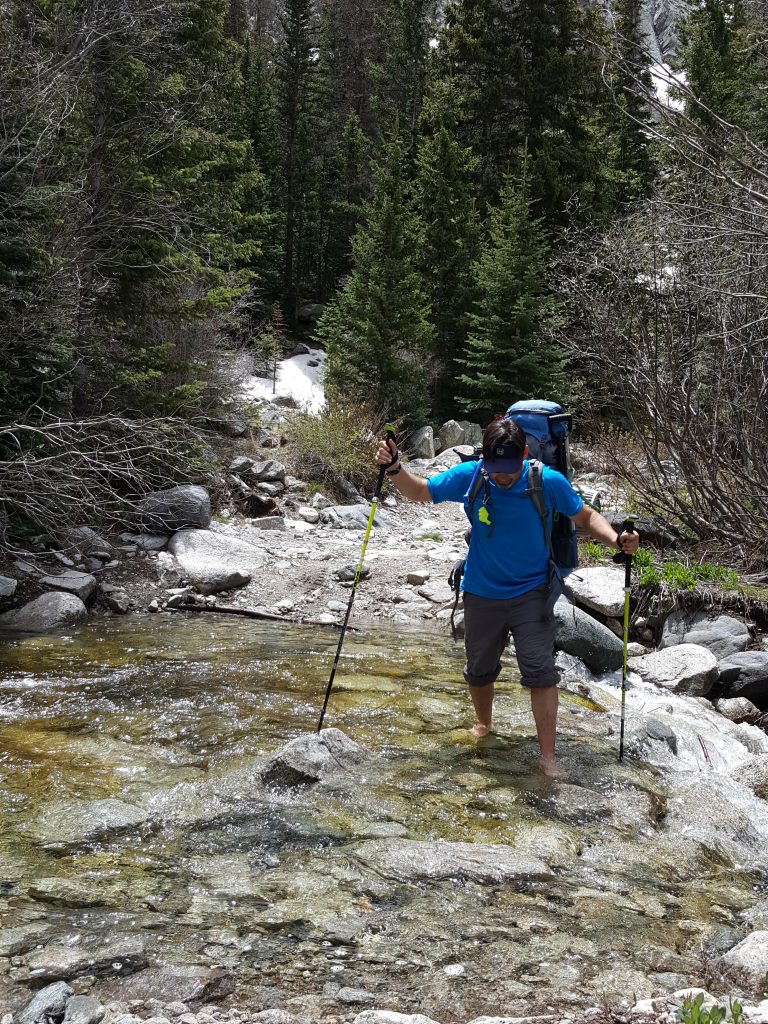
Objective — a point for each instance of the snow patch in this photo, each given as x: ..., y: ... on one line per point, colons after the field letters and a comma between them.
x: 295, y: 379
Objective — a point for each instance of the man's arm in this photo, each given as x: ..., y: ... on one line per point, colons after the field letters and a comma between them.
x: 600, y: 529
x: 410, y: 486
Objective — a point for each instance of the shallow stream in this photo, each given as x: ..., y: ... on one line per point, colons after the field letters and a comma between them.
x: 173, y: 716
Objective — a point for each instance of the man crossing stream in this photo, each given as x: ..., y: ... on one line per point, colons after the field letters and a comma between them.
x: 506, y: 583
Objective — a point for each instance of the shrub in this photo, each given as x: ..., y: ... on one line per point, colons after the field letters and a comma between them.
x: 337, y: 448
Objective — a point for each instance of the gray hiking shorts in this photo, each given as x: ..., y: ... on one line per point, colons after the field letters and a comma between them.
x: 487, y: 625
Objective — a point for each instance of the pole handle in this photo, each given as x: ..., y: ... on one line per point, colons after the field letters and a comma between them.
x: 390, y: 436
x: 628, y: 526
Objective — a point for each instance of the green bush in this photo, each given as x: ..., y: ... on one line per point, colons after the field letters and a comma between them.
x: 692, y: 1012
x: 337, y: 448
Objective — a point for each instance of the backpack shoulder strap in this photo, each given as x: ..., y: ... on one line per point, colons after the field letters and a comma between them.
x: 536, y: 494
x: 479, y: 480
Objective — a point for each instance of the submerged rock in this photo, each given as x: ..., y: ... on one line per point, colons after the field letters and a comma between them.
x: 83, y: 1010
x: 411, y: 859
x: 120, y: 954
x: 312, y: 757
x: 192, y: 985
x: 65, y: 823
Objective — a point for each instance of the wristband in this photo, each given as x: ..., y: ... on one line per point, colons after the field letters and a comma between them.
x: 394, y: 472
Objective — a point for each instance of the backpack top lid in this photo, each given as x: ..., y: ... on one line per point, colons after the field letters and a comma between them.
x: 533, y: 417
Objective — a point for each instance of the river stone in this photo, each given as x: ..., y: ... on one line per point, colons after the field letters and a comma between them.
x: 750, y: 957
x: 267, y: 472
x: 746, y: 675
x: 71, y: 823
x: 642, y: 731
x: 737, y: 709
x: 593, y: 643
x: 48, y: 613
x: 391, y: 1017
x: 177, y: 983
x: 574, y: 804
x: 23, y: 937
x: 686, y: 668
x: 723, y: 636
x: 81, y: 584
x: 409, y: 860
x: 600, y: 587
x: 73, y: 892
x: 119, y: 954
x: 83, y: 1010
x: 214, y: 562
x: 753, y: 773
x: 175, y: 509
x: 314, y: 756
x: 7, y: 588
x: 351, y: 517
x: 48, y: 1004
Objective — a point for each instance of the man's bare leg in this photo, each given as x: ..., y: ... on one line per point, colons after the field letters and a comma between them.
x: 544, y: 707
x: 482, y: 699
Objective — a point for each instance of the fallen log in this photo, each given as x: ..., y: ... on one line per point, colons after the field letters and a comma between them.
x: 251, y: 613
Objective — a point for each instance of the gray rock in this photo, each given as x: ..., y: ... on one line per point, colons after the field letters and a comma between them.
x: 319, y: 501
x: 214, y: 562
x: 737, y: 709
x: 746, y: 675
x: 754, y: 773
x: 437, y: 593
x: 48, y: 1004
x: 644, y: 731
x: 175, y: 509
x: 83, y: 1010
x: 118, y: 602
x: 270, y: 470
x: 422, y: 444
x: 268, y: 523
x: 271, y: 488
x: 23, y: 937
x: 750, y: 957
x: 308, y: 514
x: 352, y: 517
x: 723, y: 636
x: 81, y: 584
x: 230, y: 424
x: 392, y: 1017
x: 417, y: 579
x: 686, y: 668
x: 473, y: 433
x: 119, y: 954
x: 151, y: 541
x: 84, y: 541
x: 575, y: 804
x: 352, y: 996
x: 191, y: 985
x: 92, y: 564
x: 72, y: 823
x: 577, y: 633
x: 48, y: 613
x: 7, y: 588
x: 599, y: 587
x: 408, y: 860
x: 70, y: 892
x: 347, y: 573
x: 314, y: 756
x: 450, y: 434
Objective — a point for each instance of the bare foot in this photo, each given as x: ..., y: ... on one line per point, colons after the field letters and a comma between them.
x: 480, y: 731
x: 552, y: 768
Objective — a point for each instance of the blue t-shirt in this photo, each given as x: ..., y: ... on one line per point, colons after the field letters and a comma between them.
x: 513, y: 557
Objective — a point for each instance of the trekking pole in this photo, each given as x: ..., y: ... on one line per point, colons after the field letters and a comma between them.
x: 628, y: 526
x: 374, y: 501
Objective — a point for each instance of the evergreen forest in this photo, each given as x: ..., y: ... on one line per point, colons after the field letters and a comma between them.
x: 464, y: 203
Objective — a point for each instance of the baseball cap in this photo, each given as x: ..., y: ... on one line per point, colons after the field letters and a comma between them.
x: 504, y: 458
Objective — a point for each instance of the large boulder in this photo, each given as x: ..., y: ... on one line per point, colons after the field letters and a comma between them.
x: 746, y: 675
x: 599, y: 587
x: 422, y: 445
x: 723, y: 636
x: 473, y: 433
x: 214, y: 562
x: 749, y: 958
x: 312, y: 757
x: 7, y: 588
x: 577, y: 633
x: 175, y: 509
x: 450, y: 434
x: 48, y: 613
x: 687, y: 669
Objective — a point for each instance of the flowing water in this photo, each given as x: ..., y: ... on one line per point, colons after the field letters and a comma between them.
x: 171, y: 717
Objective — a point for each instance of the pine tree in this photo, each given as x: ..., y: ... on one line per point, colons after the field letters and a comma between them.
x: 446, y: 203
x: 377, y: 331
x: 508, y: 356
x: 528, y: 80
